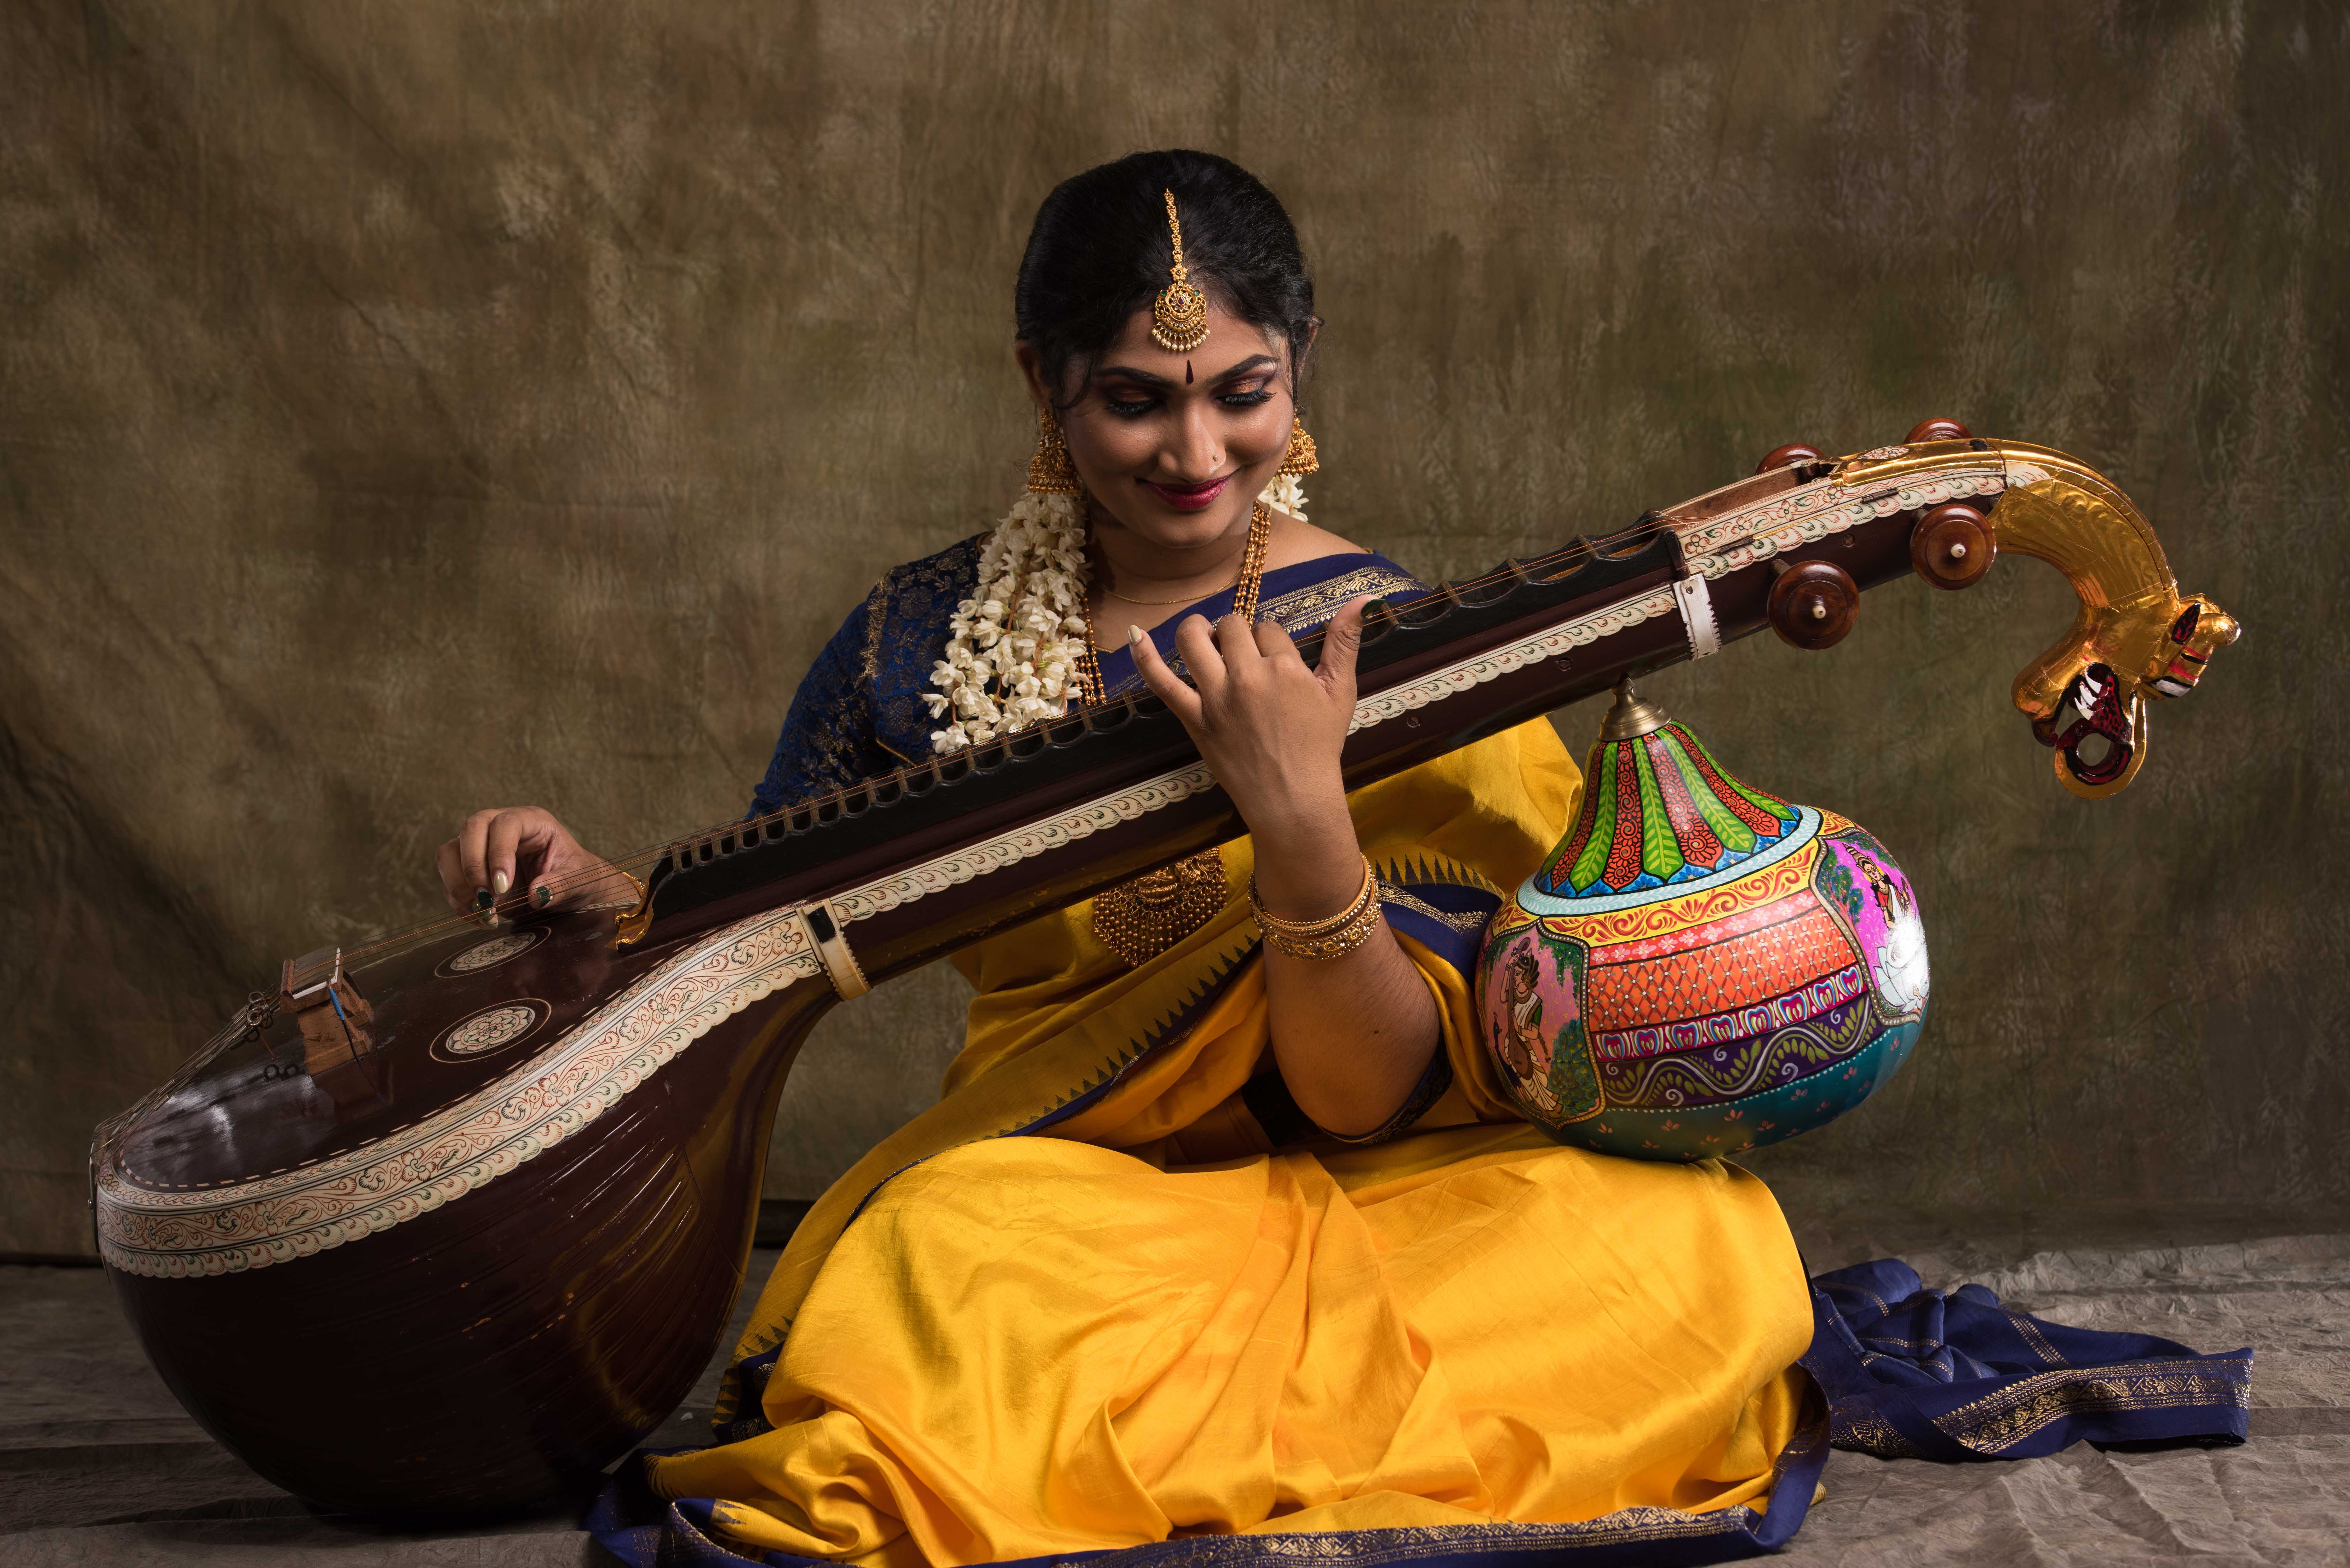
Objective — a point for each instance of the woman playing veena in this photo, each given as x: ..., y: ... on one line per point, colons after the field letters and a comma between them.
x: 1223, y: 1224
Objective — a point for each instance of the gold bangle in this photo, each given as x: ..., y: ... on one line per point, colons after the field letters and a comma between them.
x: 1317, y: 941
x: 1272, y: 922
x: 1337, y: 944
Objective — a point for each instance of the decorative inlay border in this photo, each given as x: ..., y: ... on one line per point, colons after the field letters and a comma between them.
x: 1436, y: 686
x: 1812, y: 512
x: 309, y: 1208
x: 1022, y: 843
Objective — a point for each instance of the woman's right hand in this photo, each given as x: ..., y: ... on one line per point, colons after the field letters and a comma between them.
x: 524, y: 846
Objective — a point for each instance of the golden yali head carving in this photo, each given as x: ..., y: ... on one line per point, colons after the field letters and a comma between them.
x: 1179, y: 316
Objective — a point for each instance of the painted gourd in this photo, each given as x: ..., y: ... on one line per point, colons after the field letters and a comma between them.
x: 1699, y: 967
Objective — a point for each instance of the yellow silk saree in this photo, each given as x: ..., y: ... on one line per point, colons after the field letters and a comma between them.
x: 1114, y: 1290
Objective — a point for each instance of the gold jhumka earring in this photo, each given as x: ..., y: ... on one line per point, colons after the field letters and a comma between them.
x: 1050, y: 472
x: 1301, y: 457
x: 1179, y: 316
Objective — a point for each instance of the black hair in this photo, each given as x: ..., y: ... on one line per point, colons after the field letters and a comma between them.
x: 1099, y: 251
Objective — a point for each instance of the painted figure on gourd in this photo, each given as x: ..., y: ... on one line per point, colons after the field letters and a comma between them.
x: 1699, y: 968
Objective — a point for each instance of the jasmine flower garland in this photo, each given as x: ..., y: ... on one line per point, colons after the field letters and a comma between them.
x: 1014, y: 650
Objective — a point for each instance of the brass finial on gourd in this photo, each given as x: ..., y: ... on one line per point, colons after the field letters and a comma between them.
x: 1632, y: 716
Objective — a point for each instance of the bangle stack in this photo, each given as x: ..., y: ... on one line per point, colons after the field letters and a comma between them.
x: 1317, y: 941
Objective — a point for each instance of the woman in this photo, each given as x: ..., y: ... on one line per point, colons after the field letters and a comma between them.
x: 1271, y: 1253
x: 1297, y: 1266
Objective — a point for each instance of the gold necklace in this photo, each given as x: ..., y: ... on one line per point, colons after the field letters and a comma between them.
x: 1142, y: 918
x: 1192, y: 598
x: 1245, y: 597
x: 1154, y: 604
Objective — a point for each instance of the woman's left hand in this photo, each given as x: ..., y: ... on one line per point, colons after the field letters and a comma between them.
x: 1271, y: 729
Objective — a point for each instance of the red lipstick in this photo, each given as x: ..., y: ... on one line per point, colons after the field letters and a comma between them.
x: 1190, y: 497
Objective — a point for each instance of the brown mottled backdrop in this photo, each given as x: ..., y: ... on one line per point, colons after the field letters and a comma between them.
x: 405, y: 407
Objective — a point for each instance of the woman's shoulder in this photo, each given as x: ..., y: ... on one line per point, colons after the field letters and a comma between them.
x: 1315, y: 572
x: 1297, y: 542
x: 908, y: 606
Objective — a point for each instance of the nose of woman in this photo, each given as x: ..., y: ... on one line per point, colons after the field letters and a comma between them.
x: 1191, y: 455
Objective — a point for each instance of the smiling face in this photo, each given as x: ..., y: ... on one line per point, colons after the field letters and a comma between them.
x: 1173, y: 448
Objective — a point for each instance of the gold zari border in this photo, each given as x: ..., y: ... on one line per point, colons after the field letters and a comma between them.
x: 1999, y: 1421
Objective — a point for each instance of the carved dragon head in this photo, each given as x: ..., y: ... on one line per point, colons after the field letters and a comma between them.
x: 2137, y: 637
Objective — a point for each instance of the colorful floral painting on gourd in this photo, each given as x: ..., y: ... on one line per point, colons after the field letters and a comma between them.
x: 1699, y: 968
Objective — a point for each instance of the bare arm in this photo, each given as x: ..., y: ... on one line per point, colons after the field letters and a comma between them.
x: 1352, y: 1036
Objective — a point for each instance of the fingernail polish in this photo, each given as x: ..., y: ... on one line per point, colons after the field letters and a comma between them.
x: 545, y: 895
x: 1133, y: 636
x: 482, y: 899
x: 499, y: 882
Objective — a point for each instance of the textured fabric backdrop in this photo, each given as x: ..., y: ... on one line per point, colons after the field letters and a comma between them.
x: 406, y: 408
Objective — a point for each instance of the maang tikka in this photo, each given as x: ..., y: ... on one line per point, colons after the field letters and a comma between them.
x: 1179, y: 316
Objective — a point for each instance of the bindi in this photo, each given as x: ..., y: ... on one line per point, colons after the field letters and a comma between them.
x: 1187, y: 372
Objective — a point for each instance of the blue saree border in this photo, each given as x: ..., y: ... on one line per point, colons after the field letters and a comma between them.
x: 640, y: 1529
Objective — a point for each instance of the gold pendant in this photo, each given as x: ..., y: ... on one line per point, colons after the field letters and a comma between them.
x: 1141, y: 919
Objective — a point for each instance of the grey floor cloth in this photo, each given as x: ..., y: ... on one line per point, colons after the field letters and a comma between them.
x: 102, y: 1466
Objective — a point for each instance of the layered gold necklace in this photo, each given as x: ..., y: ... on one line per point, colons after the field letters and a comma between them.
x: 1139, y: 920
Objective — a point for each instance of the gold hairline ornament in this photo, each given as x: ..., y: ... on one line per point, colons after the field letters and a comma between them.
x: 1179, y: 316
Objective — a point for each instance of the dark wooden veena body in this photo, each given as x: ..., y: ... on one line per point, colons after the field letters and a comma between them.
x: 463, y: 1270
